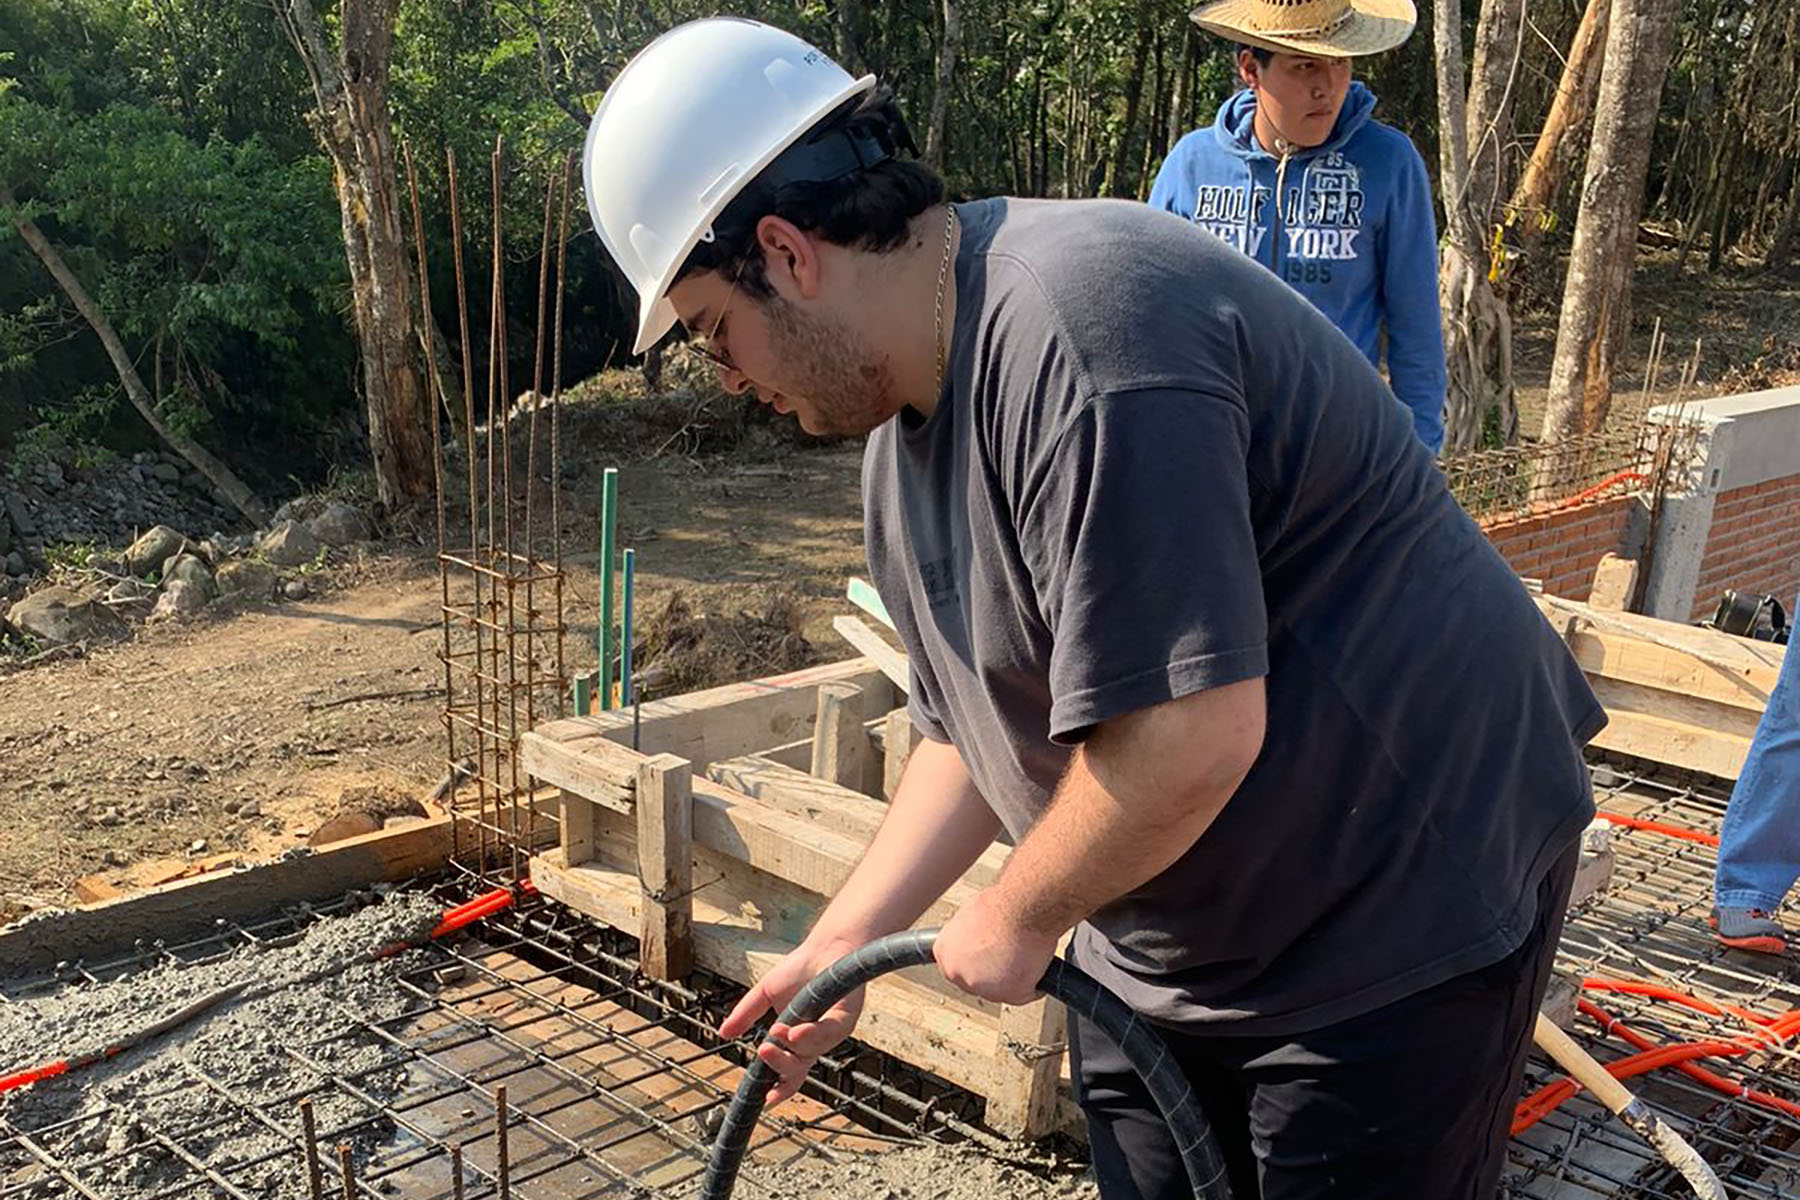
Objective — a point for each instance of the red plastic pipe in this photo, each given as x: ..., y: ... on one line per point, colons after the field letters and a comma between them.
x: 1674, y: 831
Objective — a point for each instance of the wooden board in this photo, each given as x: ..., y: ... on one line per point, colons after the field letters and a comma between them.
x: 188, y: 908
x: 891, y: 661
x: 725, y: 722
x: 826, y: 806
x: 904, y: 1015
x: 1661, y: 740
x: 1646, y: 664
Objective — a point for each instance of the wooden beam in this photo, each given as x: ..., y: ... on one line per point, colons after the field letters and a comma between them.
x: 1031, y: 1043
x: 1621, y: 696
x: 891, y: 661
x: 190, y: 907
x: 592, y: 767
x: 1661, y: 740
x: 726, y: 722
x: 903, y: 1014
x: 840, y: 744
x: 828, y: 807
x: 665, y: 853
x: 901, y: 740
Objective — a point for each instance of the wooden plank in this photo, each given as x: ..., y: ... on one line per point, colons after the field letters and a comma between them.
x: 189, y: 907
x: 1735, y: 653
x: 840, y: 744
x: 1619, y: 696
x: 1032, y: 1042
x: 891, y: 661
x: 900, y: 741
x: 903, y: 1016
x: 826, y: 806
x: 1661, y: 740
x: 726, y: 722
x: 587, y: 764
x: 665, y: 856
x: 1629, y: 660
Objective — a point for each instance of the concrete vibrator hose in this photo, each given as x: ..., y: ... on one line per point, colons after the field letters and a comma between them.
x: 1142, y: 1046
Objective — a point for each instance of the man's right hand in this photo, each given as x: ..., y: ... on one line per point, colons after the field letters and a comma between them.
x: 800, y: 1045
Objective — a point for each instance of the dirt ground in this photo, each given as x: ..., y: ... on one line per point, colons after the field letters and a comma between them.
x: 244, y: 733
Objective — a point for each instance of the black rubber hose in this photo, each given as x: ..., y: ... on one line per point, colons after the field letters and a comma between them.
x: 1142, y: 1046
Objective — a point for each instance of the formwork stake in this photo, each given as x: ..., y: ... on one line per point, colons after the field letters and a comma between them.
x: 500, y: 1135
x: 315, y: 1177
x: 344, y: 1163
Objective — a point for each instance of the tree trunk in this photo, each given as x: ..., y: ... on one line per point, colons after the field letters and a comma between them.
x: 1533, y: 204
x: 1477, y: 326
x: 1490, y: 104
x: 1781, y: 250
x: 940, y: 92
x: 1115, y: 183
x: 352, y: 124
x: 1178, y: 95
x: 220, y: 475
x: 849, y: 33
x: 1596, y: 307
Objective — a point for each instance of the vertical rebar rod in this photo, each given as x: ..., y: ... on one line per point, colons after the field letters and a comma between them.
x: 626, y: 692
x: 496, y: 423
x: 344, y: 1164
x: 504, y: 1152
x: 456, y: 1171
x: 315, y: 1175
x: 434, y: 398
x: 556, y: 343
x: 468, y: 391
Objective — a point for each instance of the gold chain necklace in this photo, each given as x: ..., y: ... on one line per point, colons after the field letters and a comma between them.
x: 943, y: 278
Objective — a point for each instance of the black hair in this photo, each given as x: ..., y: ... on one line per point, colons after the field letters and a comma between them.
x: 865, y: 207
x: 1263, y: 57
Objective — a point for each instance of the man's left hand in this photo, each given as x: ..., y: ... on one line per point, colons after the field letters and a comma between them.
x: 985, y: 951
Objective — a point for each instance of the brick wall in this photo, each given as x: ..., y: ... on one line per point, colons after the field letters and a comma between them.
x: 1753, y: 544
x: 1562, y: 548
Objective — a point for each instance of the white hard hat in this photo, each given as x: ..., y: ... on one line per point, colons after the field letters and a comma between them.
x: 691, y: 120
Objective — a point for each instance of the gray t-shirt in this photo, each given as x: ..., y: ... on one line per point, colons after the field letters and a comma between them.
x: 1154, y: 470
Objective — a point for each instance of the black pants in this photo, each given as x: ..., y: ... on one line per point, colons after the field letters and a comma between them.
x: 1409, y: 1102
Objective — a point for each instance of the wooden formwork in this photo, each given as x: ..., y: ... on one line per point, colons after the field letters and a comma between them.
x: 1674, y: 694
x: 743, y: 810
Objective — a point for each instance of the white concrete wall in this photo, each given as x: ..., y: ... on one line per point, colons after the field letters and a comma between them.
x: 1744, y: 440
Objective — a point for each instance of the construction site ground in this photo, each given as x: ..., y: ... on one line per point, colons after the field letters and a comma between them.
x: 121, y: 762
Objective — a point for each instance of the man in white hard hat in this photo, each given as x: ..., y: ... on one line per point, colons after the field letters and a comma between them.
x: 1158, y: 541
x: 1354, y: 231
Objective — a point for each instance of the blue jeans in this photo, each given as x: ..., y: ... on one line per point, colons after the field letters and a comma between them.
x: 1759, y: 847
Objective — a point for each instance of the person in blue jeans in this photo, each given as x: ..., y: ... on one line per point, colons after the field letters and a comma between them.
x: 1759, y: 847
x: 1354, y: 231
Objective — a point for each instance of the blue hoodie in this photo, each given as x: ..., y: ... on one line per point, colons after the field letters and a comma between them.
x: 1356, y: 233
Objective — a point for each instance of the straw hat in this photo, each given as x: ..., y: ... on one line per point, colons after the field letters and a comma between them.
x: 1337, y: 28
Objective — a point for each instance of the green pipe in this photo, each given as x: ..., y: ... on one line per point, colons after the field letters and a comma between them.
x: 609, y: 540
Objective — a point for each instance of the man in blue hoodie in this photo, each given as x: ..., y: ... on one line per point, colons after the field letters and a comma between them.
x: 1354, y: 232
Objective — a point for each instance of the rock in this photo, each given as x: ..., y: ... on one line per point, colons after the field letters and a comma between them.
x: 300, y: 508
x: 344, y: 825
x: 195, y: 481
x: 15, y: 563
x: 244, y: 577
x: 115, y: 858
x: 296, y: 589
x: 190, y: 569
x: 57, y: 615
x: 107, y: 564
x: 339, y: 524
x: 167, y: 472
x: 179, y: 598
x: 22, y: 522
x: 288, y: 545
x: 250, y: 811
x: 150, y: 552
x: 212, y: 552
x: 5, y: 534
x: 197, y: 846
x: 52, y: 475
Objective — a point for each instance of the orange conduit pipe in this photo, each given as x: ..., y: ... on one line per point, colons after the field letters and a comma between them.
x: 457, y: 917
x: 1674, y: 831
x: 1582, y: 497
x: 1767, y: 1032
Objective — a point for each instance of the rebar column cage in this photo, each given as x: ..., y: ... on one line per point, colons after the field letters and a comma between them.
x: 500, y: 569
